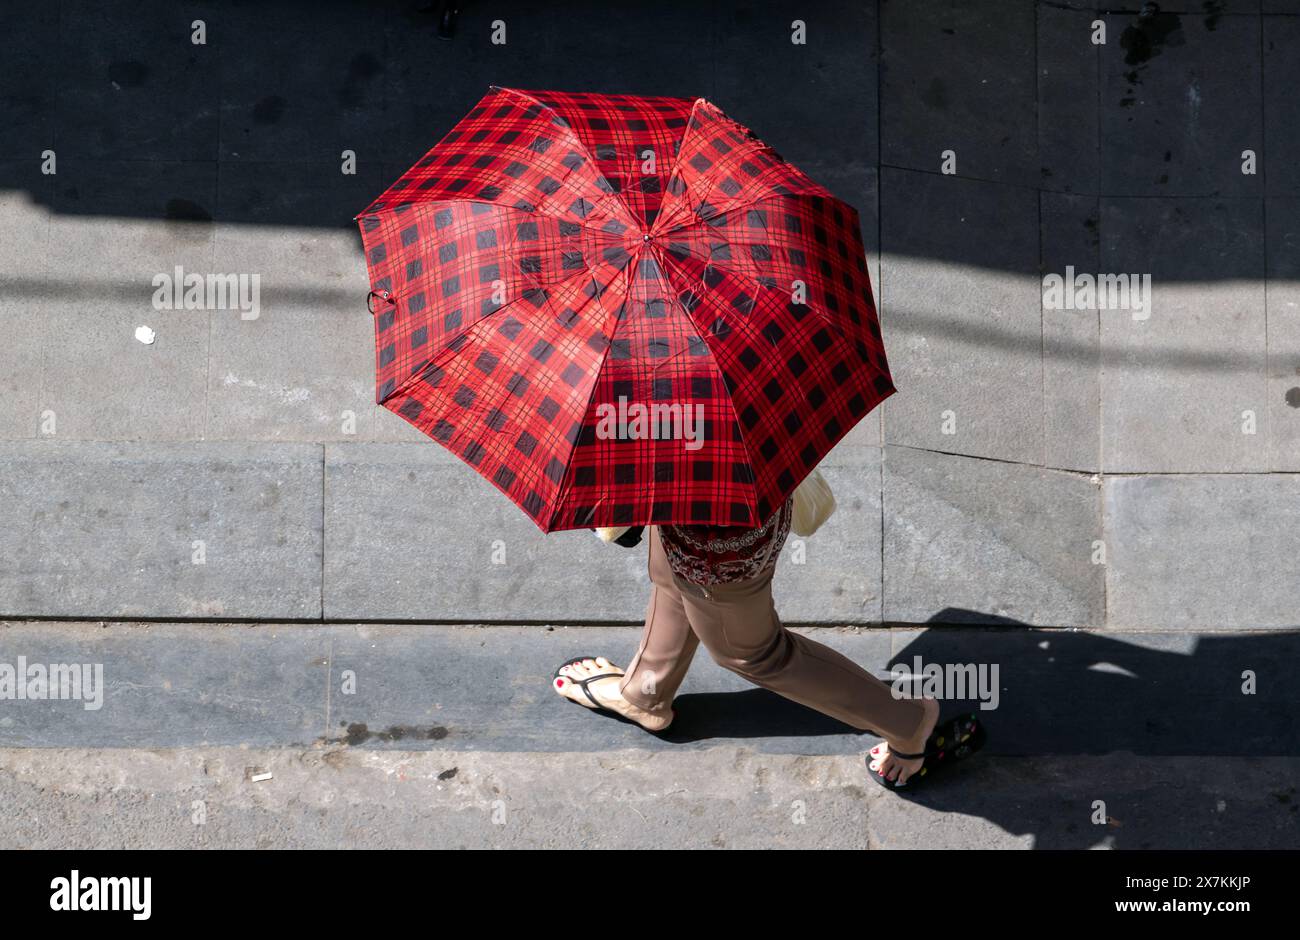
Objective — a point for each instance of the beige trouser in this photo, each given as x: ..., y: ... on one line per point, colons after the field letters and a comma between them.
x: 737, y: 624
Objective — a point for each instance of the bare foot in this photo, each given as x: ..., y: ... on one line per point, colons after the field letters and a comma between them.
x: 896, y: 769
x: 605, y: 691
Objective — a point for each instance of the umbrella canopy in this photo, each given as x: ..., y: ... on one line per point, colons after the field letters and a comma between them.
x: 622, y: 310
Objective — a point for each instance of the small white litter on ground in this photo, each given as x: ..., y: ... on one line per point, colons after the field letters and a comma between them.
x: 257, y: 778
x: 145, y: 335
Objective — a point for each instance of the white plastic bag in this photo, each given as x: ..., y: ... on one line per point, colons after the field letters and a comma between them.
x: 813, y: 504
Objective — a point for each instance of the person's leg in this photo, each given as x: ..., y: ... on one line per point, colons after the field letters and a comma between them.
x: 667, y: 642
x: 739, y: 626
x: 645, y: 692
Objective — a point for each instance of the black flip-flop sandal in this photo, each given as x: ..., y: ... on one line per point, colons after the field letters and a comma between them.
x: 596, y: 702
x: 583, y: 683
x: 951, y: 742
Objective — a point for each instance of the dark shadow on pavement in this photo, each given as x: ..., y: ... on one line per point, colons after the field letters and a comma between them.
x: 1079, y: 716
x: 1066, y: 692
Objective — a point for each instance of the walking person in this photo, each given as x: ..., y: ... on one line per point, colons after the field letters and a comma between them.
x: 712, y: 585
x: 560, y: 260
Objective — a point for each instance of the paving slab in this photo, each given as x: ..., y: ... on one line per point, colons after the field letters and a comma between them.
x: 215, y: 735
x: 869, y: 432
x: 1068, y: 119
x: 322, y: 192
x: 23, y: 318
x: 115, y: 226
x: 955, y: 77
x: 1281, y: 107
x: 1070, y: 243
x: 540, y: 41
x: 836, y: 66
x: 1171, y: 123
x: 27, y: 88
x: 1184, y: 385
x: 405, y: 687
x: 303, y: 369
x: 486, y: 688
x: 21, y: 348
x: 275, y: 107
x: 1282, y: 291
x: 256, y: 390
x: 299, y: 366
x: 834, y: 575
x: 725, y: 797
x: 413, y: 533
x: 100, y: 382
x: 157, y: 685
x: 155, y: 530
x: 98, y: 287
x: 1192, y: 551
x: 961, y: 310
x: 994, y: 539
x: 215, y: 158
x: 608, y: 58
x: 141, y: 89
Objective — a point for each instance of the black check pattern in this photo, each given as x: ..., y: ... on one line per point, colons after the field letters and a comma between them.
x: 557, y: 256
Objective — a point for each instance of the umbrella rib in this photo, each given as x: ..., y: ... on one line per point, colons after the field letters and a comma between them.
x: 744, y: 206
x: 816, y: 190
x: 731, y: 402
x: 611, y: 332
x: 834, y: 324
x: 562, y: 490
x: 681, y: 149
x: 574, y: 141
x: 580, y: 145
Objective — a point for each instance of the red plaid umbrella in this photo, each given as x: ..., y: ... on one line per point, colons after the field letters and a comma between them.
x: 622, y: 310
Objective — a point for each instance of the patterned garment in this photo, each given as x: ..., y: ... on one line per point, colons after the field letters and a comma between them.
x: 560, y: 265
x: 722, y: 554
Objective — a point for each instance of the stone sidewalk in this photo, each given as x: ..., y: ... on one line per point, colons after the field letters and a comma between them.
x: 1051, y: 467
x: 729, y: 796
x: 406, y: 735
x: 225, y: 521
x: 376, y: 531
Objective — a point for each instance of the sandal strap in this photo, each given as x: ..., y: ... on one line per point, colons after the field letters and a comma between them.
x: 968, y: 724
x: 905, y: 756
x: 583, y: 683
x: 949, y: 730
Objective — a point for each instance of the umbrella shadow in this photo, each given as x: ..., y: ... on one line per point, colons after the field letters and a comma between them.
x: 1064, y: 692
x: 1088, y: 710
